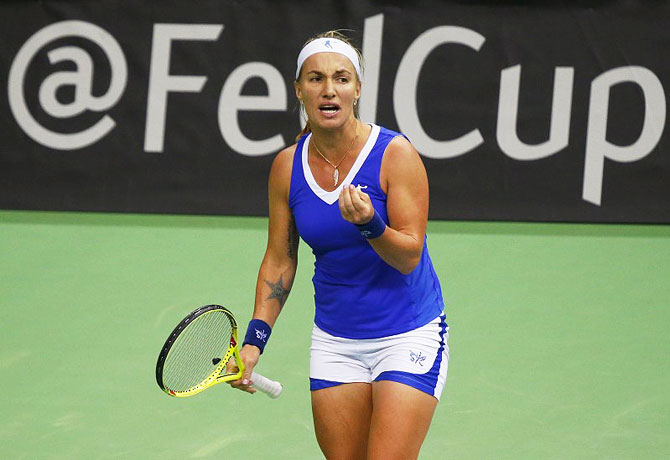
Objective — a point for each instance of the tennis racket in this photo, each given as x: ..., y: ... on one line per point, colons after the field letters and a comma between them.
x: 195, y: 355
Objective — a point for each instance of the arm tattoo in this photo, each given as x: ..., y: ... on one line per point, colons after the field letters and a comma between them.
x: 293, y: 239
x: 279, y: 292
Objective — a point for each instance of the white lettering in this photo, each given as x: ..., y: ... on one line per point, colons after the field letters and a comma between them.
x: 404, y: 92
x: 81, y: 79
x: 372, y: 56
x: 597, y: 146
x: 160, y: 80
x: 508, y: 107
x: 82, y: 66
x: 231, y: 102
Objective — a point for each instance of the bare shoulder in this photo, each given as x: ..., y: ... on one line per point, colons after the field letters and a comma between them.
x: 284, y: 160
x: 282, y: 166
x: 401, y: 161
x: 399, y: 145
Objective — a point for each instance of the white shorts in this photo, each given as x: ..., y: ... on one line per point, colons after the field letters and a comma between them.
x: 418, y: 358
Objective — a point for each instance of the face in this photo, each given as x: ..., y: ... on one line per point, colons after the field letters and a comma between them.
x: 328, y: 87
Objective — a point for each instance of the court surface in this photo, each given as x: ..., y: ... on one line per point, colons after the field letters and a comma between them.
x: 559, y: 340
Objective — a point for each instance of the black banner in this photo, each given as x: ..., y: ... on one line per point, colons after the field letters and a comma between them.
x: 521, y: 110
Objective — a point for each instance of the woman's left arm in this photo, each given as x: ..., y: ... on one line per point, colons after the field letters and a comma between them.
x: 404, y: 179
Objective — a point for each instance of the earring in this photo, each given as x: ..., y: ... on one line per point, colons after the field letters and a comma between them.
x: 355, y: 101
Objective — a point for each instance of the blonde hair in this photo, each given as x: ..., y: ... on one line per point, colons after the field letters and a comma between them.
x: 340, y: 36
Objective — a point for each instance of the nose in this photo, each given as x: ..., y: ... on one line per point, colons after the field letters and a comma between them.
x: 329, y: 89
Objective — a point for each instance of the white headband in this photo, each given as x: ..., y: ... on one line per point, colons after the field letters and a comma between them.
x: 328, y: 45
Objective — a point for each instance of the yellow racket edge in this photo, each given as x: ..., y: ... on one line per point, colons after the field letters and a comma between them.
x: 270, y: 387
x: 214, y: 378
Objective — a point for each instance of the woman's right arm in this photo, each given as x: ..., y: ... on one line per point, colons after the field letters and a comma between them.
x: 277, y: 271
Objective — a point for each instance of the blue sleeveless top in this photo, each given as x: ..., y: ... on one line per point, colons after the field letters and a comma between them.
x: 357, y: 294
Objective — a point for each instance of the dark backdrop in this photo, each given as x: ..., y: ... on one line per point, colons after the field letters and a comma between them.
x: 192, y: 99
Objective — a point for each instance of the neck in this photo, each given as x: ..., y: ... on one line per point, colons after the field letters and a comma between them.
x: 334, y: 144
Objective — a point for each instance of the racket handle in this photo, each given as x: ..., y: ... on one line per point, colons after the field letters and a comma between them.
x: 269, y: 387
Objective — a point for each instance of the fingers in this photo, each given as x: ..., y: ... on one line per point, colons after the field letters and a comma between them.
x: 240, y: 384
x: 355, y: 205
x: 344, y: 202
x: 249, y: 356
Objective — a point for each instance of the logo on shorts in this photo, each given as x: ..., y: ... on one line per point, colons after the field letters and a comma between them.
x: 417, y: 358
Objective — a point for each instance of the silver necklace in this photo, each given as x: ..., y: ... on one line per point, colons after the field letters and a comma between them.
x: 336, y: 171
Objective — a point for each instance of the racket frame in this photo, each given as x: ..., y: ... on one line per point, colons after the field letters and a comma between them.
x: 216, y: 376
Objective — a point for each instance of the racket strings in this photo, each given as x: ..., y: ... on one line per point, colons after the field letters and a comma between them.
x: 197, y: 351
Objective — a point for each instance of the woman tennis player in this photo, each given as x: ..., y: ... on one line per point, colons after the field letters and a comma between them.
x: 358, y: 195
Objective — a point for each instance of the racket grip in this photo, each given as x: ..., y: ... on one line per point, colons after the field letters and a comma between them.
x: 271, y: 388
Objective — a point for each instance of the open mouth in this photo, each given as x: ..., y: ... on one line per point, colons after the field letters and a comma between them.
x: 329, y: 109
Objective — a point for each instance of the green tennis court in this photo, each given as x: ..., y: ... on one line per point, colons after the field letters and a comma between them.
x: 559, y: 340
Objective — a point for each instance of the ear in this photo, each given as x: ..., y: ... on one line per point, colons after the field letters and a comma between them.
x: 358, y: 89
x: 298, y: 90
